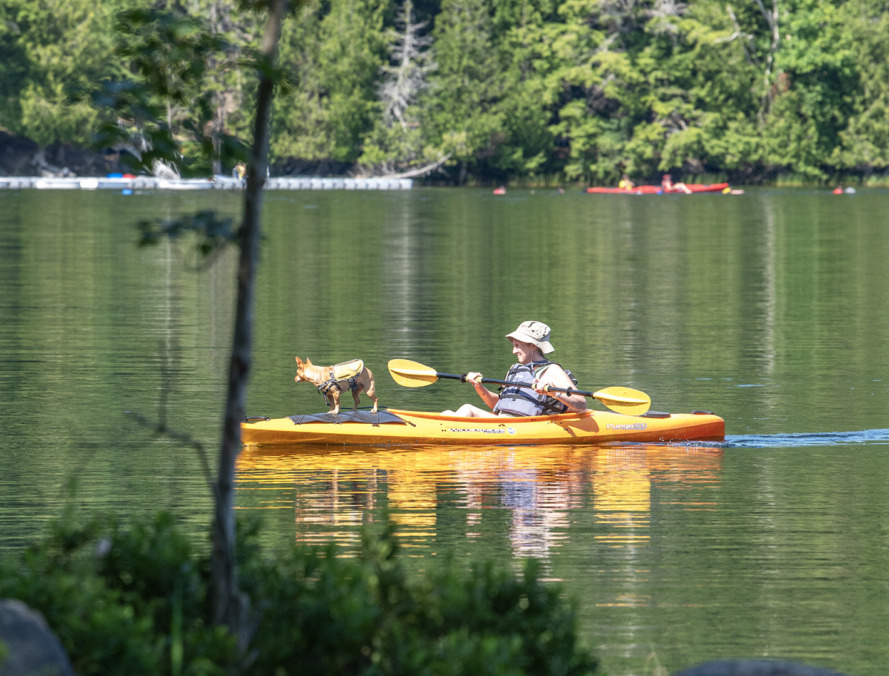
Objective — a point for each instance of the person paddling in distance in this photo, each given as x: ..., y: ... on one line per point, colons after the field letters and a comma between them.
x: 667, y: 185
x: 530, y: 342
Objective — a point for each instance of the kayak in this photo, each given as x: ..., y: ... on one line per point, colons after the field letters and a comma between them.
x: 398, y: 427
x: 658, y: 190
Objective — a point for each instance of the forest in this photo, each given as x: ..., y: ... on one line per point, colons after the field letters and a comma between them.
x: 467, y: 91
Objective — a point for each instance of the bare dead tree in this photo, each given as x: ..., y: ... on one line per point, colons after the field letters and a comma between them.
x: 771, y: 18
x: 425, y: 169
x: 406, y: 77
x: 737, y: 34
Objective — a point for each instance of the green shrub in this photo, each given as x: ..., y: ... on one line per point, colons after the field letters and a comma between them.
x: 121, y: 600
x: 133, y: 600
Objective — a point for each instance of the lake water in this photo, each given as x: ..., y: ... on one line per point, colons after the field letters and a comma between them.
x: 769, y: 308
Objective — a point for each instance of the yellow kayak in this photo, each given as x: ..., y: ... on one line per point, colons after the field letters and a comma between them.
x: 397, y: 427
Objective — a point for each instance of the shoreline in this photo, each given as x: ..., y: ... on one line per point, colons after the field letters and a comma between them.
x: 131, y: 183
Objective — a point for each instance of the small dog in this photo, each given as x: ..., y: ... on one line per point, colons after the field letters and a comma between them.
x: 332, y: 380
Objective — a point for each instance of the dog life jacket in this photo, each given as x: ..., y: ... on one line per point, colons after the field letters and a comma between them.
x: 347, y: 370
x: 522, y: 401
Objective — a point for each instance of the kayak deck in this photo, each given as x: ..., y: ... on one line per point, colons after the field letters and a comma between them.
x: 399, y: 427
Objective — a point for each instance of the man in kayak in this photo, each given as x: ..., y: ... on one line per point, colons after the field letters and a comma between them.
x: 667, y: 185
x: 530, y: 342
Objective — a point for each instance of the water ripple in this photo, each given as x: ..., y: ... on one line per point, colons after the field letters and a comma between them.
x: 876, y: 437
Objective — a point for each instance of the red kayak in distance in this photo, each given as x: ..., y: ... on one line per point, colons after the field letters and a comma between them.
x: 658, y: 190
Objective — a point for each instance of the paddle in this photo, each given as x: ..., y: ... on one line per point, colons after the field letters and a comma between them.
x: 620, y: 399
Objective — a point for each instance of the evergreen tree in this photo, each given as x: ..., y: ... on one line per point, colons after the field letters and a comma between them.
x: 54, y: 57
x: 299, y: 127
x: 598, y: 90
x: 334, y: 58
x: 463, y: 102
x: 13, y: 66
x: 864, y: 143
x: 396, y: 143
x: 815, y: 77
x: 527, y: 54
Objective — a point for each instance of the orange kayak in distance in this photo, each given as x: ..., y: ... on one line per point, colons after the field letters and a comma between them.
x: 658, y: 190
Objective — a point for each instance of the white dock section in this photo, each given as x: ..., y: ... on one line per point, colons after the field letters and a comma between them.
x: 216, y: 183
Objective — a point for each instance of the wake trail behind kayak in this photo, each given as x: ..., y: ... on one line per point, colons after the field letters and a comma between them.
x: 876, y: 437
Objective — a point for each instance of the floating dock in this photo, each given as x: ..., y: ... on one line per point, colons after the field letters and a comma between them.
x: 216, y: 183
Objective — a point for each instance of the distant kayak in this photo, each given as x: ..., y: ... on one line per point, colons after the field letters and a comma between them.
x: 658, y: 190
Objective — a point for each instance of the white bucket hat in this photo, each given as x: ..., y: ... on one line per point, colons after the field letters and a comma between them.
x: 536, y: 333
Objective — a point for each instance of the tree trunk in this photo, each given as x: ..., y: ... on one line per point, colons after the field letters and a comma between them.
x: 230, y: 606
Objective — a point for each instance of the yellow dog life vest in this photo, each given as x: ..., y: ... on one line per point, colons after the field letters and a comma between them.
x: 347, y: 370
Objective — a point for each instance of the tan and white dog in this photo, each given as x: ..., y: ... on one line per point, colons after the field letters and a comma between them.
x: 331, y: 381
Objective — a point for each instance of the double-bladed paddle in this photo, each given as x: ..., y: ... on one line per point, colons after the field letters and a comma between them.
x: 620, y: 399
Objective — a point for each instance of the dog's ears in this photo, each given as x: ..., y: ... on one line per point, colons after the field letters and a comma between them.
x: 308, y: 362
x: 298, y: 361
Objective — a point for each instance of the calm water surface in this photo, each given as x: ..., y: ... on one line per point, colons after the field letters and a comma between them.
x: 769, y: 308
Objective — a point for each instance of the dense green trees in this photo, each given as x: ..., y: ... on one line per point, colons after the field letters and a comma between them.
x: 578, y: 90
x: 334, y: 55
x: 52, y: 55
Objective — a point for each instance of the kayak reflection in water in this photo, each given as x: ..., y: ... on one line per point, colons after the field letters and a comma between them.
x: 530, y: 342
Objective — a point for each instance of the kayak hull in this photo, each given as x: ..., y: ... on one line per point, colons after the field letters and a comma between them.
x: 399, y: 427
x: 658, y: 190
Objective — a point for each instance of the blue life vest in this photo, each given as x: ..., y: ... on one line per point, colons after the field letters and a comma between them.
x: 522, y: 401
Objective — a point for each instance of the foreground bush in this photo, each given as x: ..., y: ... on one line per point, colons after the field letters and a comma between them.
x: 133, y: 600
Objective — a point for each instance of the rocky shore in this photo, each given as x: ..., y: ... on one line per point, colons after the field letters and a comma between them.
x: 22, y: 157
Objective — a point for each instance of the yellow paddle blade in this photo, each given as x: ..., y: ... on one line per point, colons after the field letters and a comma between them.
x: 624, y: 400
x: 411, y: 374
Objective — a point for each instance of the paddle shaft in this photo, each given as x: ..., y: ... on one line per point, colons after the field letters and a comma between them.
x: 494, y: 381
x: 621, y: 399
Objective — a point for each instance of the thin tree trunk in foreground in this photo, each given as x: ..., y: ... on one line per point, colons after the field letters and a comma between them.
x: 230, y: 606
